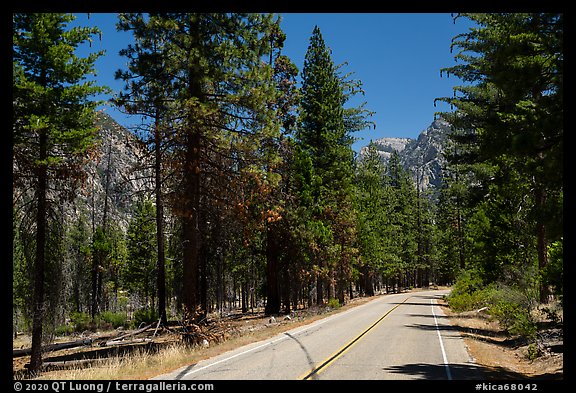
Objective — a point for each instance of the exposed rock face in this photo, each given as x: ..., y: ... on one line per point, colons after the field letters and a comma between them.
x: 115, y: 176
x: 386, y: 146
x: 422, y: 157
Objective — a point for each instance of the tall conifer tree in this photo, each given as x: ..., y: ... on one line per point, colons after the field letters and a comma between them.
x: 324, y: 135
x: 223, y: 92
x: 370, y: 177
x: 149, y: 92
x: 322, y: 131
x: 53, y: 126
x: 512, y: 109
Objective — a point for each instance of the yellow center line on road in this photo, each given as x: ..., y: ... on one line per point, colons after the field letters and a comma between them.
x: 331, y: 359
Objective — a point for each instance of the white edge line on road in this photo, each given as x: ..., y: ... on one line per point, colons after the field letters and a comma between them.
x: 446, y: 365
x: 234, y: 356
x: 284, y: 337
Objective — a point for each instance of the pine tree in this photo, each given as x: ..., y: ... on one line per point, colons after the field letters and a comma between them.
x: 512, y: 109
x: 52, y: 127
x: 149, y: 92
x: 322, y: 131
x: 324, y: 135
x: 223, y: 94
x: 277, y: 152
x: 79, y: 252
x: 370, y: 183
x: 138, y: 273
x: 302, y: 245
x: 399, y: 239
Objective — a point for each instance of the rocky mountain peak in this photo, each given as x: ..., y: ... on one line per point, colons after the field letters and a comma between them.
x: 422, y: 156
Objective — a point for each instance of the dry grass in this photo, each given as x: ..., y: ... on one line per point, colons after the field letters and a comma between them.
x: 143, y: 364
x: 140, y: 365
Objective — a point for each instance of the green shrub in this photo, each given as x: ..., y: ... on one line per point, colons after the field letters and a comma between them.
x: 468, y: 281
x: 144, y: 316
x: 524, y: 325
x: 512, y: 309
x: 469, y: 293
x: 553, y: 272
x: 532, y: 352
x: 333, y: 303
x: 64, y: 330
x: 104, y: 321
x: 81, y: 321
x: 511, y: 305
x: 114, y: 319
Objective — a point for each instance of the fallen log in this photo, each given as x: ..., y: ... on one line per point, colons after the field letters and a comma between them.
x: 52, y: 347
x: 157, y: 326
x: 130, y: 334
x: 126, y: 342
x: 66, y: 364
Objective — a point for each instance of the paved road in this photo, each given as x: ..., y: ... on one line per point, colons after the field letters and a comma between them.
x: 399, y: 336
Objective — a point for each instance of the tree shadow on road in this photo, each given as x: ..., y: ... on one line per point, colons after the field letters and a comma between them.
x: 184, y: 372
x: 500, y: 338
x: 461, y: 372
x: 308, y: 357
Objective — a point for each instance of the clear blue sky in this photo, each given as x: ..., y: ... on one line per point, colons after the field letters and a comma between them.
x: 397, y: 57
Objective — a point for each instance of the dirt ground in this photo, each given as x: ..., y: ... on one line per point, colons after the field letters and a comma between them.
x: 507, y: 357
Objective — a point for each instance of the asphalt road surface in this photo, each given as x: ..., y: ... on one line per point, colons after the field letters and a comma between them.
x: 398, y: 336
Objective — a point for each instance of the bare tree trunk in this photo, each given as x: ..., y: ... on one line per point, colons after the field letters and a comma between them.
x: 190, y: 226
x: 244, y: 296
x: 191, y: 196
x: 272, y: 292
x: 40, y: 262
x: 319, y: 297
x: 542, y: 242
x: 160, y: 264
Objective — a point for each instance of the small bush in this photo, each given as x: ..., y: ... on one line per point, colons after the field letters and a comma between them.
x: 511, y: 305
x: 465, y: 293
x: 64, y: 330
x: 553, y: 272
x: 333, y: 303
x: 104, y: 321
x: 469, y: 293
x: 114, y: 319
x: 514, y: 318
x: 468, y: 301
x: 532, y: 352
x: 144, y: 316
x: 81, y: 321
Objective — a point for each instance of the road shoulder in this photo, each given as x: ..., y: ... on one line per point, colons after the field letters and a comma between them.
x: 498, y: 354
